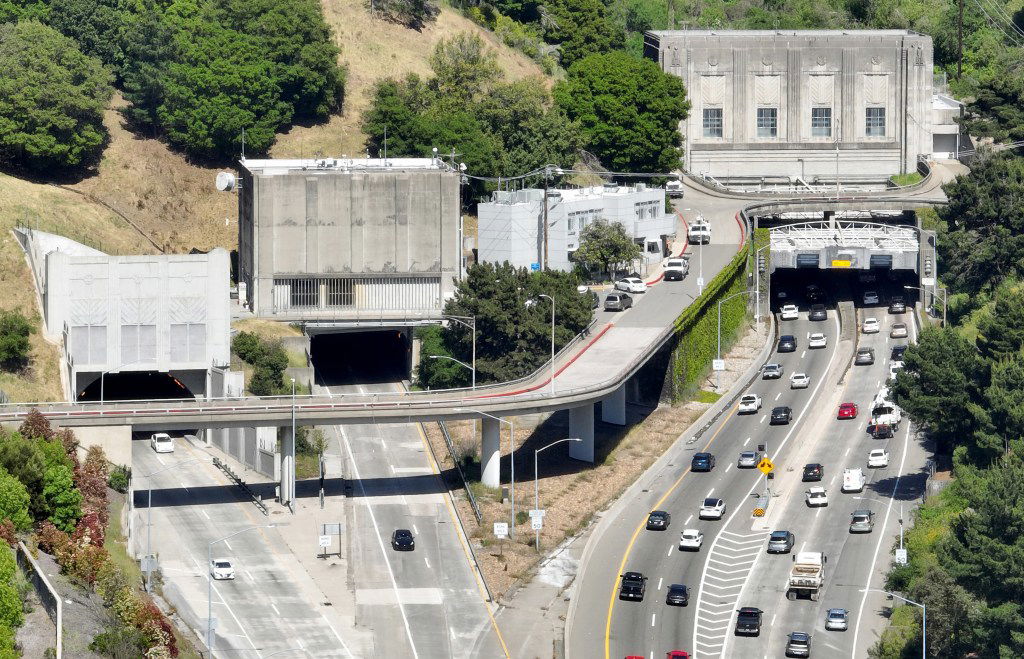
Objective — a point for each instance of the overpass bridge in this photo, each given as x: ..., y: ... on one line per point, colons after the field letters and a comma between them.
x: 594, y: 368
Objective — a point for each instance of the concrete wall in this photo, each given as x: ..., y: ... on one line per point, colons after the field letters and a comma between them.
x: 739, y: 71
x: 116, y: 442
x: 393, y: 227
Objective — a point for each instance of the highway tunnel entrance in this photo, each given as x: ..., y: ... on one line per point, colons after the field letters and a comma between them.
x: 361, y: 357
x: 135, y: 385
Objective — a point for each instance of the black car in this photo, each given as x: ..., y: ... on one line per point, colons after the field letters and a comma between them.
x: 633, y: 586
x: 897, y: 352
x: 817, y: 312
x: 865, y: 357
x: 787, y: 343
x: 402, y: 540
x: 813, y: 472
x: 814, y: 293
x: 897, y: 305
x: 658, y: 520
x: 781, y: 415
x: 702, y: 462
x: 678, y: 595
x: 748, y: 621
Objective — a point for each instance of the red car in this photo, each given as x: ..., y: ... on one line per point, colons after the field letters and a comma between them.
x: 677, y: 654
x: 847, y: 411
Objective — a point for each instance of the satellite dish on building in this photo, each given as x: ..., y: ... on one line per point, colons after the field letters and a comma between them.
x: 225, y: 181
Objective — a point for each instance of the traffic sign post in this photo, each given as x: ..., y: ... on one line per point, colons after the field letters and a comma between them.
x: 537, y: 523
x: 718, y: 364
x: 501, y: 532
x: 765, y: 466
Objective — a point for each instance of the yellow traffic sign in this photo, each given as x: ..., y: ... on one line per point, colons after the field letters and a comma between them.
x: 758, y: 512
x: 765, y: 465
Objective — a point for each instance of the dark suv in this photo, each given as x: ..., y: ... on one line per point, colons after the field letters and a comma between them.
x: 702, y: 462
x: 787, y: 343
x: 658, y: 520
x: 633, y: 586
x: 897, y: 305
x: 897, y: 352
x: 781, y: 416
x: 813, y: 472
x: 748, y: 621
x: 817, y: 312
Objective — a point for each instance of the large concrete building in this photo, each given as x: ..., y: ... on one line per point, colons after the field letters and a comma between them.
x: 159, y: 313
x: 511, y: 225
x: 343, y: 239
x: 785, y: 103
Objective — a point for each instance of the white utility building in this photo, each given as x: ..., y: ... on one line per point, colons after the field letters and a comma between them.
x: 511, y: 225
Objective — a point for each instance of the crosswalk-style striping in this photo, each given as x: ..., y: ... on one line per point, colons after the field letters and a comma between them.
x: 727, y: 569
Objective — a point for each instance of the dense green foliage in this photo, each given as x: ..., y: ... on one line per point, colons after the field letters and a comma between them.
x: 606, y: 245
x: 269, y: 360
x: 496, y: 127
x: 14, y: 501
x: 581, y: 28
x: 52, y: 99
x: 984, y: 240
x: 513, y: 325
x: 629, y: 111
x: 14, y: 345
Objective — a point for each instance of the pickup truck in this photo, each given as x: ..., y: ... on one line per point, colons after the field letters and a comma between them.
x: 748, y: 621
x: 750, y: 404
x: 853, y: 480
x: 676, y: 268
x: 633, y: 586
x: 807, y: 575
x: 699, y: 232
x: 886, y: 413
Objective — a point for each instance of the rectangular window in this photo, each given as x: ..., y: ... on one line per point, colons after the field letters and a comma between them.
x: 874, y: 120
x: 767, y: 122
x: 88, y: 344
x: 188, y: 342
x: 821, y: 122
x: 138, y: 344
x: 712, y: 122
x: 304, y: 293
x: 339, y: 292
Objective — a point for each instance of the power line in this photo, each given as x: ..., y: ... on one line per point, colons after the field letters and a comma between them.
x: 1010, y: 36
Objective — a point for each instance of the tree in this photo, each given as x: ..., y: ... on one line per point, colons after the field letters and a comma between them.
x: 14, y: 344
x: 1001, y: 331
x: 415, y: 14
x: 580, y: 28
x: 96, y: 25
x: 463, y: 69
x: 24, y: 459
x: 14, y: 501
x: 52, y: 99
x: 1004, y: 406
x: 628, y: 109
x: 940, y: 383
x: 607, y: 245
x: 63, y: 500
x: 953, y: 614
x: 997, y: 110
x: 985, y: 241
x: 149, y: 47
x: 11, y: 614
x: 389, y: 122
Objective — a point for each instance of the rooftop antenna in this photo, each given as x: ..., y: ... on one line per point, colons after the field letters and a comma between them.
x: 243, y: 143
x: 385, y: 144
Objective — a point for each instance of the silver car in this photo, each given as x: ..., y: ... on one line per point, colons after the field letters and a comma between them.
x: 862, y: 521
x: 837, y: 620
x: 748, y: 459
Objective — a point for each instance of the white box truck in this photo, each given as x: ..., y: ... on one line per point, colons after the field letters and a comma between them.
x: 807, y: 575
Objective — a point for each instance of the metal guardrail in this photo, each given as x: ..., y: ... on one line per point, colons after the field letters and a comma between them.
x: 256, y: 498
x: 465, y: 484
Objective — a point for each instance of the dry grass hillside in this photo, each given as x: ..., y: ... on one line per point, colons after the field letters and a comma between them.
x: 48, y: 208
x: 373, y: 49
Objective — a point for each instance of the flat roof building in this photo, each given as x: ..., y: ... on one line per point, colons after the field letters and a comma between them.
x: 338, y: 239
x: 801, y: 103
x: 511, y: 225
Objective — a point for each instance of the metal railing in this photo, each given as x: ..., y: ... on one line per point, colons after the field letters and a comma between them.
x: 458, y: 467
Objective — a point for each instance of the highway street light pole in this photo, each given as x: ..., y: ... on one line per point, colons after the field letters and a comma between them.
x: 149, y: 516
x: 719, y: 358
x: 459, y: 362
x: 924, y: 616
x: 511, y: 459
x: 552, y: 300
x: 464, y: 321
x: 209, y: 580
x: 536, y: 486
x: 945, y: 297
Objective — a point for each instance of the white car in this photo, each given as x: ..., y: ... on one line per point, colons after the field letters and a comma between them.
x: 691, y: 539
x: 771, y: 372
x: 816, y: 496
x: 750, y: 404
x: 853, y: 480
x: 711, y: 509
x: 631, y: 285
x: 877, y: 458
x: 162, y: 443
x: 221, y: 568
x: 898, y: 331
x: 817, y: 340
x: 870, y: 325
x: 799, y: 381
x: 790, y: 312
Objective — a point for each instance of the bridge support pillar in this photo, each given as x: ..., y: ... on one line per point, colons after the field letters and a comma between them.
x: 287, y: 468
x: 581, y: 425
x: 613, y: 408
x: 490, y: 452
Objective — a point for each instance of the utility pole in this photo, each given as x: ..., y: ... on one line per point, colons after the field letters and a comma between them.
x: 960, y: 39
x: 547, y: 170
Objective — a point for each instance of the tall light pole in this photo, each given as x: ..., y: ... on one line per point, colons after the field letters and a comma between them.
x: 552, y: 300
x: 726, y: 299
x: 924, y: 616
x: 209, y: 580
x: 459, y: 362
x: 945, y: 297
x: 292, y: 470
x: 536, y: 485
x: 115, y: 370
x: 149, y: 517
x: 511, y: 459
x: 470, y: 323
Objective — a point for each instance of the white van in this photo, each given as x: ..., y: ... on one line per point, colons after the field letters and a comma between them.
x: 162, y: 443
x: 853, y: 480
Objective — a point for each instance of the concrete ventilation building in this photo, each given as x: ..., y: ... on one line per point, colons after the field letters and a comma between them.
x: 342, y: 239
x: 511, y: 225
x: 166, y: 313
x: 784, y: 103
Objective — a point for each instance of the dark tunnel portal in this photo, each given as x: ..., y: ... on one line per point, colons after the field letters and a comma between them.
x: 135, y: 385
x: 360, y: 357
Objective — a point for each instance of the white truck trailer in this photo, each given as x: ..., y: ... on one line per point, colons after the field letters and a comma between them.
x: 807, y: 575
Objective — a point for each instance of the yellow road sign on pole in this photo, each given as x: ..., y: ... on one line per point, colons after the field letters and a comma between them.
x: 765, y: 465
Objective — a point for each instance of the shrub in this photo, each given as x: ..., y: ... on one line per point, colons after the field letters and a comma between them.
x: 8, y: 565
x: 36, y: 426
x: 248, y: 347
x: 89, y: 530
x: 11, y: 614
x: 7, y: 532
x: 24, y: 459
x: 110, y: 581
x: 120, y: 642
x: 14, y: 502
x: 70, y: 443
x: 86, y: 563
x: 155, y: 628
x: 14, y: 327
x: 120, y: 477
x: 63, y: 500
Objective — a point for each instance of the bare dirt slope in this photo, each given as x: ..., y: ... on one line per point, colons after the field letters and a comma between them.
x: 373, y: 49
